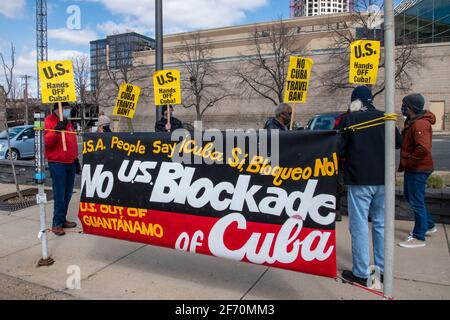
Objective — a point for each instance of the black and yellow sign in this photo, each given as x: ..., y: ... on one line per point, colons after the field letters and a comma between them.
x: 167, y: 87
x: 57, y: 81
x: 364, y: 60
x: 127, y: 100
x: 297, y: 79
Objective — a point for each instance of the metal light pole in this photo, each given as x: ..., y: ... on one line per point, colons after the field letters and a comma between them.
x: 41, y: 197
x: 389, y: 75
x: 159, y: 45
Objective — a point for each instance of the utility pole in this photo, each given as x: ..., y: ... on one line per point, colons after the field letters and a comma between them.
x: 159, y: 45
x: 25, y: 96
x: 41, y: 36
x: 389, y: 200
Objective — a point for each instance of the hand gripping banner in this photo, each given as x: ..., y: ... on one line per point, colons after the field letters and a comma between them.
x: 229, y: 203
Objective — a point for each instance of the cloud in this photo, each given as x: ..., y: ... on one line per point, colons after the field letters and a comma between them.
x: 80, y: 37
x: 12, y: 9
x: 183, y: 15
x: 110, y: 27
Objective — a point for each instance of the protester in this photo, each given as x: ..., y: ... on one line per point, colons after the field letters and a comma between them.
x: 62, y: 165
x: 282, y: 119
x: 363, y: 151
x: 417, y: 163
x: 354, y: 106
x: 162, y: 126
x: 104, y: 123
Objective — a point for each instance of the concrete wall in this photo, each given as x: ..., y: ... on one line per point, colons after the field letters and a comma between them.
x: 433, y: 81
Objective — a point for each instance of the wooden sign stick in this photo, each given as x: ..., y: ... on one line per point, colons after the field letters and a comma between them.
x: 61, y: 118
x: 292, y: 118
x: 168, y: 118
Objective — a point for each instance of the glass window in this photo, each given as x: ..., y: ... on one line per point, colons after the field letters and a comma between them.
x: 441, y: 9
x: 12, y: 132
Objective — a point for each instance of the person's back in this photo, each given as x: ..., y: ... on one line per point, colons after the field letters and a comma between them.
x: 363, y: 150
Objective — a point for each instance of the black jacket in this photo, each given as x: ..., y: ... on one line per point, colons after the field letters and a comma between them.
x: 160, y: 125
x: 273, y: 123
x: 363, y: 149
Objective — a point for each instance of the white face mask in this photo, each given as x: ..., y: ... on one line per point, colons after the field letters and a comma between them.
x: 66, y: 113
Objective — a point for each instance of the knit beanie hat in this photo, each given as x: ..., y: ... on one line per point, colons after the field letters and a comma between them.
x: 362, y: 93
x: 415, y: 102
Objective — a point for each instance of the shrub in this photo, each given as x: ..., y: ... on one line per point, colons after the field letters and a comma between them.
x: 435, y: 182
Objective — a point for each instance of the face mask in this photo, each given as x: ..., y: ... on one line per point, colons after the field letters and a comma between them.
x: 66, y: 113
x: 405, y: 111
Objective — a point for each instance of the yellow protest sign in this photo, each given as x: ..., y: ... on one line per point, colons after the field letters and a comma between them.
x: 127, y: 100
x: 364, y: 59
x: 297, y: 79
x: 57, y: 81
x: 167, y: 87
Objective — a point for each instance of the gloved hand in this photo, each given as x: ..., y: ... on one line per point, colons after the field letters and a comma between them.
x: 62, y: 125
x: 77, y: 166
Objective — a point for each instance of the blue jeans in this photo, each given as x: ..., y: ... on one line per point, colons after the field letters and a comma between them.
x: 361, y: 200
x: 414, y: 191
x: 63, y: 178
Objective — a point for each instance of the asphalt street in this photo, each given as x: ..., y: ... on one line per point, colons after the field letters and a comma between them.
x: 441, y: 153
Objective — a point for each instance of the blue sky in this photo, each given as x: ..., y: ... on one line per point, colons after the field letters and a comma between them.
x: 101, y: 17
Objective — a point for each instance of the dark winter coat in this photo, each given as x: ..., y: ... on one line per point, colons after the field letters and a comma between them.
x: 417, y: 135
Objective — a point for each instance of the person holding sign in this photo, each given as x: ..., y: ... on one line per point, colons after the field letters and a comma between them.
x: 282, y: 119
x: 62, y: 164
x: 168, y: 123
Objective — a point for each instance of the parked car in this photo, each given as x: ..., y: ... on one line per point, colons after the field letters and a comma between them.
x: 22, y: 143
x: 323, y: 121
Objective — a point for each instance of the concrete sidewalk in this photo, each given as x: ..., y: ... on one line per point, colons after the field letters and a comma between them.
x: 116, y: 269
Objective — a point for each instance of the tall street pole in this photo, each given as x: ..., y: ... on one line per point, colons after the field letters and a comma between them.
x: 159, y: 45
x: 389, y: 76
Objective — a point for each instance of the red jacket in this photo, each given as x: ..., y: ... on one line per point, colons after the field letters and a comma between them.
x: 415, y: 154
x: 54, y: 151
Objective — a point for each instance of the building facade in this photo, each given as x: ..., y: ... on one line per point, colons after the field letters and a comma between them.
x: 315, y: 36
x: 422, y: 21
x: 115, y: 51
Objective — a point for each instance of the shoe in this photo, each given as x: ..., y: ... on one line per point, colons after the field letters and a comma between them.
x: 59, y: 231
x: 350, y: 277
x: 412, y: 242
x: 69, y: 224
x: 428, y: 233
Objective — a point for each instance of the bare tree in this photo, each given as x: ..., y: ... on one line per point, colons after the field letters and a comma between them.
x: 365, y: 24
x: 201, y: 84
x: 81, y: 70
x: 263, y: 74
x: 9, y: 89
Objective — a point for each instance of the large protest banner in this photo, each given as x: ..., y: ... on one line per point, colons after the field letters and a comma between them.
x: 232, y: 204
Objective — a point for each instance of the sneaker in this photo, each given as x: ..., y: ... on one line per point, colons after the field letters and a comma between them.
x: 350, y: 277
x: 428, y: 233
x: 412, y: 242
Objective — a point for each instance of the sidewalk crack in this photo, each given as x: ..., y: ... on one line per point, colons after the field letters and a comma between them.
x: 253, y: 285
